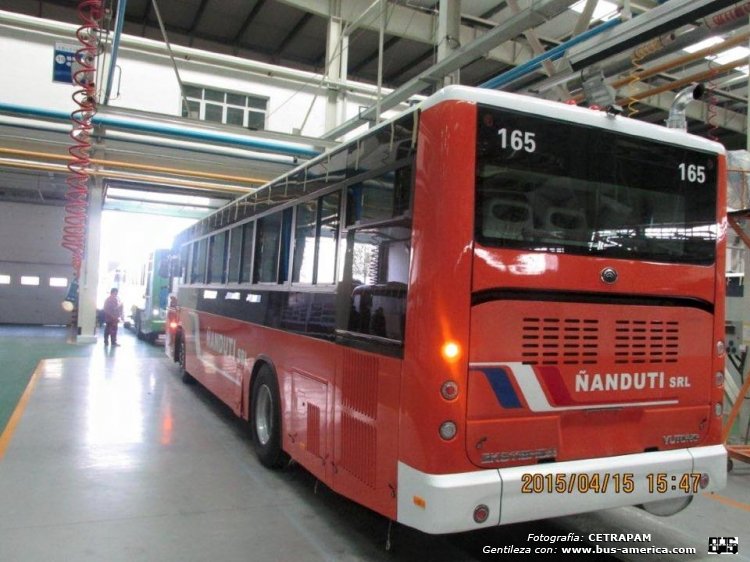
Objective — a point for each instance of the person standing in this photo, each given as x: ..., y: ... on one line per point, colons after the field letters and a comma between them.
x: 112, y: 315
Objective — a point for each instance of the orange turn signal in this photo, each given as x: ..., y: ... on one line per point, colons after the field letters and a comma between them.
x: 450, y: 351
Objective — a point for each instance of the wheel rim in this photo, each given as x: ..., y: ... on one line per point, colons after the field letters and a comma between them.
x: 264, y: 415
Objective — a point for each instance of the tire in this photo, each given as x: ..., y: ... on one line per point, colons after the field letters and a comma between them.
x: 137, y: 319
x: 265, y: 419
x: 181, y: 360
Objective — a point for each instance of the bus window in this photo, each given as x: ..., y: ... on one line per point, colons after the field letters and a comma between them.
x: 198, y: 265
x: 267, y: 249
x: 184, y: 253
x: 235, y: 254
x: 379, y: 198
x: 304, y: 242
x: 246, y: 267
x: 217, y: 257
x: 379, y: 273
x: 329, y: 235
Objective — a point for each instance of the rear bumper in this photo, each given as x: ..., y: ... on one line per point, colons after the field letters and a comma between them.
x: 445, y: 503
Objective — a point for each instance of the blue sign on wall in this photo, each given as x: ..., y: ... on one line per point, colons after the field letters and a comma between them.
x: 63, y: 62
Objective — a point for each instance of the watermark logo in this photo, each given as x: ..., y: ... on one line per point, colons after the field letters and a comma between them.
x: 723, y: 545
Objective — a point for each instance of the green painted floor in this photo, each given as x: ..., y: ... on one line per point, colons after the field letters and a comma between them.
x: 22, y: 347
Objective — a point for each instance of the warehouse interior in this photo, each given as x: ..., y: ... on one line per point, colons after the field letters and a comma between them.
x: 177, y: 108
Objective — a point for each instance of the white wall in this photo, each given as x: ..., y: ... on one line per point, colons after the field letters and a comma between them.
x: 148, y: 83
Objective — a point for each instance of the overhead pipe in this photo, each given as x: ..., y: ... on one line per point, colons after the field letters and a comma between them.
x: 725, y: 21
x: 142, y: 178
x: 552, y: 54
x: 277, y: 147
x: 678, y: 61
x: 677, y: 118
x: 161, y: 142
x: 133, y: 166
x: 698, y: 77
x: 119, y: 23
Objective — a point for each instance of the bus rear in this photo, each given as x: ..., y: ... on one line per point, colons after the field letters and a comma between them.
x: 575, y: 266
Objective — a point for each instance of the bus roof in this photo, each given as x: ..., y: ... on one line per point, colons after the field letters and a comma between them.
x: 574, y: 114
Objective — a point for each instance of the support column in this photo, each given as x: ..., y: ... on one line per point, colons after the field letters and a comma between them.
x: 89, y: 280
x: 448, y: 35
x: 337, y: 50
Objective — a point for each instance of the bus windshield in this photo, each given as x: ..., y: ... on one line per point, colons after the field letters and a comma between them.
x: 560, y: 187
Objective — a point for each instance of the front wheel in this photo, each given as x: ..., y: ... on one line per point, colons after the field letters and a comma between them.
x: 181, y: 360
x: 265, y: 419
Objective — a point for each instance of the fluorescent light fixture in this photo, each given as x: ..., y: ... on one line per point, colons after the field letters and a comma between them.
x: 30, y: 280
x: 604, y: 10
x: 704, y: 44
x: 58, y: 282
x: 4, y: 279
x: 731, y: 55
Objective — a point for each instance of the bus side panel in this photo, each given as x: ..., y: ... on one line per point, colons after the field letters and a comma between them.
x: 213, y: 356
x: 438, y: 304
x: 366, y: 429
x: 339, y: 406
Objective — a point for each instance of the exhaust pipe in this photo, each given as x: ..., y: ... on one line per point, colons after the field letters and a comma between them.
x: 677, y: 118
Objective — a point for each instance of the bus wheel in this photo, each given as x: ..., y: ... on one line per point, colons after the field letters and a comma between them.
x: 138, y: 332
x: 181, y: 359
x: 265, y: 419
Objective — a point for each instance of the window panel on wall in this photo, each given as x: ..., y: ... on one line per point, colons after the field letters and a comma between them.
x: 256, y: 120
x: 328, y: 238
x: 257, y: 102
x: 235, y: 116
x: 304, y: 242
x: 267, y: 245
x: 214, y: 113
x: 192, y: 91
x: 229, y: 108
x: 214, y: 95
x: 195, y: 110
x: 236, y: 99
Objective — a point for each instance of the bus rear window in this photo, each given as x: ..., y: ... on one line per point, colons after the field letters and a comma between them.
x: 559, y: 187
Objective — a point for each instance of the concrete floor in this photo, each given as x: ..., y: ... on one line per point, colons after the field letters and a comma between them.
x: 113, y: 458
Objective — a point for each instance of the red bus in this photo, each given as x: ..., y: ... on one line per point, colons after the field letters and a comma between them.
x: 490, y: 309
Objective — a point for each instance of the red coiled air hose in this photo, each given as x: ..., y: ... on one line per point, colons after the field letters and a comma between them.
x: 74, y: 228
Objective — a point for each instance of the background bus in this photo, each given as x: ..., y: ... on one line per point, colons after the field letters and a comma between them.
x: 550, y: 280
x: 149, y: 313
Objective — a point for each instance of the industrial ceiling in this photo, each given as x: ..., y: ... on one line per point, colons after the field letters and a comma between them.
x: 648, y: 51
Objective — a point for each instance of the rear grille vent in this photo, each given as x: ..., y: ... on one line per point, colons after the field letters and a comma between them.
x: 555, y: 341
x: 646, y: 341
x: 584, y: 341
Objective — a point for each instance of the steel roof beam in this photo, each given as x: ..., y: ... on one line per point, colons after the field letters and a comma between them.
x: 415, y: 25
x: 512, y: 27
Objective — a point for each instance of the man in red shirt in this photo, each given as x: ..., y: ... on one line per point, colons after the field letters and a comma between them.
x: 112, y: 314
